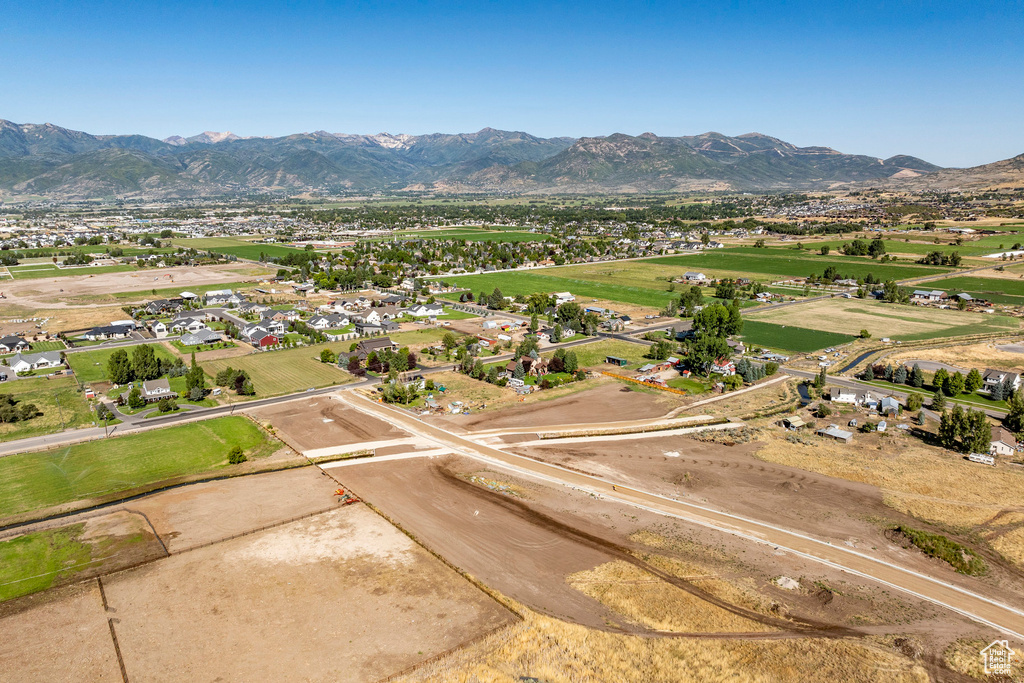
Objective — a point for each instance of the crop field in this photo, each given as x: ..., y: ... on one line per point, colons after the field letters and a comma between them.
x: 286, y: 371
x: 906, y: 323
x: 919, y: 245
x: 237, y: 247
x: 91, y: 366
x: 31, y: 481
x: 790, y: 338
x: 581, y: 283
x: 44, y: 271
x: 791, y: 263
x: 59, y: 399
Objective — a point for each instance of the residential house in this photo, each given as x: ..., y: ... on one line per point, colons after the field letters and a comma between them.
x: 367, y: 317
x: 426, y: 310
x: 991, y: 377
x: 206, y: 336
x: 328, y: 322
x: 928, y: 295
x: 158, y: 328
x: 223, y: 297
x: 563, y: 298
x: 367, y: 346
x: 153, y: 390
x: 1003, y: 442
x: 691, y: 276
x: 164, y: 306
x: 23, y: 362
x: 188, y: 325
x: 109, y: 332
x: 12, y: 344
x: 723, y: 366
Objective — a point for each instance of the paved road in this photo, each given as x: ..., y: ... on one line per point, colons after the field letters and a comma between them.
x: 979, y: 608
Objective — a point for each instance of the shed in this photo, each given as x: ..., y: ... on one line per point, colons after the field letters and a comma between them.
x: 834, y: 432
x: 615, y: 360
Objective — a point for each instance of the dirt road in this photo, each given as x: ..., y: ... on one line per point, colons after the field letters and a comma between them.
x: 972, y: 605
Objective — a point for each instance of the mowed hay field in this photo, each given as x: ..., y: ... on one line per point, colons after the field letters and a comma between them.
x: 31, y: 481
x: 907, y: 323
x: 287, y: 371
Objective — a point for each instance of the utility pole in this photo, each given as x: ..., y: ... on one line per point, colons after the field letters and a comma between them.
x: 56, y: 398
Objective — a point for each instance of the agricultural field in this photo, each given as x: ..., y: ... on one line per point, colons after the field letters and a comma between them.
x: 29, y: 272
x: 1000, y: 290
x: 775, y: 262
x: 95, y: 469
x: 237, y: 247
x: 586, y: 282
x: 905, y: 323
x: 789, y: 337
x: 91, y: 366
x: 58, y: 398
x: 286, y: 371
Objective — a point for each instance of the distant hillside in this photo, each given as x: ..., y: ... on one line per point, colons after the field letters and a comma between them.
x: 61, y: 163
x: 1008, y: 173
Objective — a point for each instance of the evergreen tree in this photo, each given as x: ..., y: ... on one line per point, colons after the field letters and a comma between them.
x: 939, y: 379
x: 1015, y: 412
x: 519, y: 372
x: 939, y: 401
x: 144, y: 363
x: 869, y: 374
x: 900, y: 375
x: 888, y: 372
x: 571, y: 362
x: 119, y: 368
x: 955, y: 384
x: 917, y: 377
x: 996, y: 393
x: 973, y: 381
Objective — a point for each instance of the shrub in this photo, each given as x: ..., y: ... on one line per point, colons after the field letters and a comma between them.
x: 166, y: 405
x: 914, y: 402
x: 822, y: 411
x: 235, y: 455
x: 962, y: 559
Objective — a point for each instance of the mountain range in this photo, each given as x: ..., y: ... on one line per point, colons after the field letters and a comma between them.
x: 44, y: 159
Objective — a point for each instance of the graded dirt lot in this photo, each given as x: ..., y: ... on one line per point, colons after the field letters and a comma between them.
x: 340, y: 596
x: 564, y: 553
x: 322, y: 422
x: 192, y: 515
x: 45, y: 292
x: 65, y: 638
x: 608, y: 400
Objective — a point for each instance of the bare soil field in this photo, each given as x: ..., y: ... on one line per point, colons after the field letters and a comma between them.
x: 323, y: 421
x: 540, y: 545
x: 46, y: 292
x: 607, y: 400
x: 340, y: 596
x: 65, y: 638
x: 189, y: 516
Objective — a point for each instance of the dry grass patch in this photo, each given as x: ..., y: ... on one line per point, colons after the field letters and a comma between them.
x: 926, y: 482
x: 964, y: 656
x: 850, y: 316
x: 967, y: 356
x: 556, y: 652
x: 646, y: 600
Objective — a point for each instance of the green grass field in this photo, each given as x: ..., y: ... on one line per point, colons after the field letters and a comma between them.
x: 32, y: 481
x: 996, y: 289
x: 91, y: 366
x: 36, y: 561
x: 58, y: 398
x: 42, y: 271
x: 789, y: 338
x: 237, y: 247
x: 652, y: 294
x: 791, y: 263
x: 286, y: 372
x: 593, y: 355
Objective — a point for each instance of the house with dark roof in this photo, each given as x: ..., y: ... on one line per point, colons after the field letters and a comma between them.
x: 12, y: 344
x: 108, y: 332
x: 152, y: 391
x: 367, y: 346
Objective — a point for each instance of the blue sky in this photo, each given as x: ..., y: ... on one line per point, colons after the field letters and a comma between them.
x: 939, y: 80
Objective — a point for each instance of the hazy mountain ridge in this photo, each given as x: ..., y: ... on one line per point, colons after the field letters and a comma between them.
x: 62, y: 163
